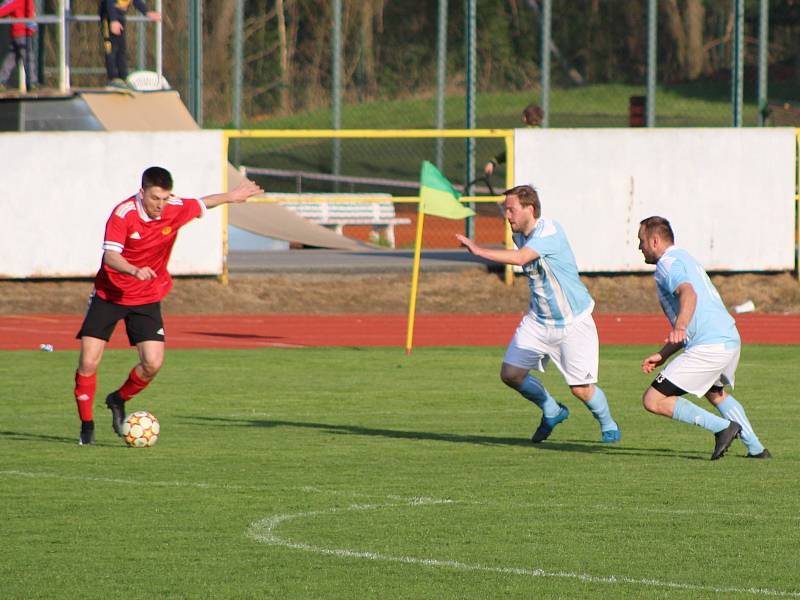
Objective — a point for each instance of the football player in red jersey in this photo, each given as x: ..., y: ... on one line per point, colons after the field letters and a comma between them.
x: 131, y: 282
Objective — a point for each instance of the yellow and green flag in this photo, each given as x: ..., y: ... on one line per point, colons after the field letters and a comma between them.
x: 439, y: 198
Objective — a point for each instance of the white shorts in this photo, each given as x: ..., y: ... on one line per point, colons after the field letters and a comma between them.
x: 574, y: 349
x: 700, y: 368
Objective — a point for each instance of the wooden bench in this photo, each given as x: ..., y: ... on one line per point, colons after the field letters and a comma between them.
x: 334, y: 210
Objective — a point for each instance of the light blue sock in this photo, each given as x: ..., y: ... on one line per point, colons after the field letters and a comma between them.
x: 533, y: 390
x: 686, y: 412
x: 598, y: 406
x: 733, y: 411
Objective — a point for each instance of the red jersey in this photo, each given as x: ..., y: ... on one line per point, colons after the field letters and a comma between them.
x: 143, y: 242
x: 19, y: 9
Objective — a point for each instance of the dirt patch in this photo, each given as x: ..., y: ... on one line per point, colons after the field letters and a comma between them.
x: 468, y: 291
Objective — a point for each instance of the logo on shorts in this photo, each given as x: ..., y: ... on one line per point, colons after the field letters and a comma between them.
x: 160, y: 331
x: 167, y: 230
x: 660, y: 378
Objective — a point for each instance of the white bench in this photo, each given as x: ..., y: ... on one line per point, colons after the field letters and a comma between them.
x: 371, y: 209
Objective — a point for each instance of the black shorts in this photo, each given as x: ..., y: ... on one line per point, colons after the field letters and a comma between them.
x: 143, y: 323
x: 666, y: 387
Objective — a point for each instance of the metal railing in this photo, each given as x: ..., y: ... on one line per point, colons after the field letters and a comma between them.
x: 62, y: 21
x: 299, y: 176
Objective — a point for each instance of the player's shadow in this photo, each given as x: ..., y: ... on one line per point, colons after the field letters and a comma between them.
x: 619, y: 449
x: 237, y: 336
x: 26, y: 436
x: 485, y: 440
x: 368, y: 431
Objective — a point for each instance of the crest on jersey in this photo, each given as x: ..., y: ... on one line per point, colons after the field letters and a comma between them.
x: 167, y: 230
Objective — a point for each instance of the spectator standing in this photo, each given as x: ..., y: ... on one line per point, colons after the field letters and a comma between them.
x: 532, y: 116
x: 112, y: 26
x: 20, y: 49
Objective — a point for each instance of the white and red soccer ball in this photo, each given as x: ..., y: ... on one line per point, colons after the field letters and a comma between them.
x: 140, y: 429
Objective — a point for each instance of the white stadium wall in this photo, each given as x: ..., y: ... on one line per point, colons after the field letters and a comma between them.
x: 729, y: 193
x: 57, y: 190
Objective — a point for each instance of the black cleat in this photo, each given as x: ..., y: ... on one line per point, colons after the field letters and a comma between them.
x: 87, y: 433
x: 117, y: 407
x: 763, y: 454
x: 725, y: 439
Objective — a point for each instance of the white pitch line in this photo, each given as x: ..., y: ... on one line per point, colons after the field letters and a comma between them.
x: 582, y: 508
x: 187, y: 484
x: 215, y: 486
x: 264, y: 531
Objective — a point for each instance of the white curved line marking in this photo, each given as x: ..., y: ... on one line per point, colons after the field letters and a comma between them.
x: 264, y: 531
x: 588, y: 508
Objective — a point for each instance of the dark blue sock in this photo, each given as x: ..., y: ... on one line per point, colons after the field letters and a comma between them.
x: 532, y: 389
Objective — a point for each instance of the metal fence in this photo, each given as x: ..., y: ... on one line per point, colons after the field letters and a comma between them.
x: 376, y: 64
x: 588, y: 63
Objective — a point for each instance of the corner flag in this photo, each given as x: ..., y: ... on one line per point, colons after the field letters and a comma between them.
x: 439, y: 198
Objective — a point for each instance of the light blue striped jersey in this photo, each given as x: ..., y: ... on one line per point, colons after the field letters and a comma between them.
x: 558, y: 295
x: 711, y: 323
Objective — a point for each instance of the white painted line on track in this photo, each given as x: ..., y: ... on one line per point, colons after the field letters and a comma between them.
x: 264, y: 531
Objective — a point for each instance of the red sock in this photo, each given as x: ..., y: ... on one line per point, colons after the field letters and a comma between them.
x: 132, y: 386
x: 85, y: 386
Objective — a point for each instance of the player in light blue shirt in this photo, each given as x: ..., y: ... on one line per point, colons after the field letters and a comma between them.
x: 702, y: 327
x: 710, y: 323
x: 559, y: 324
x: 558, y: 295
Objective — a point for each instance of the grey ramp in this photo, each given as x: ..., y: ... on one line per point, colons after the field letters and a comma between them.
x: 276, y: 222
x: 164, y: 111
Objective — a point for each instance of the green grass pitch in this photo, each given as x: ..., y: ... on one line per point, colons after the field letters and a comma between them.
x: 363, y: 473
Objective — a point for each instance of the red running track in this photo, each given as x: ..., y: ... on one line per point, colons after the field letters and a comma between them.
x: 26, y: 332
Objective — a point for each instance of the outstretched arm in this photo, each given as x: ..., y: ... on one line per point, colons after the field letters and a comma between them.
x: 246, y: 189
x: 521, y: 256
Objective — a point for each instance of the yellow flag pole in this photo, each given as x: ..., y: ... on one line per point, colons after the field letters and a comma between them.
x: 412, y: 304
x: 507, y: 239
x: 225, y: 182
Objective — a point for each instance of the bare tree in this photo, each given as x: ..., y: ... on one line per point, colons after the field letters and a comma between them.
x: 687, y: 27
x: 283, y: 42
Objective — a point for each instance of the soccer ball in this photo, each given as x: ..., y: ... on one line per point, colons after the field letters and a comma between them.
x: 140, y: 429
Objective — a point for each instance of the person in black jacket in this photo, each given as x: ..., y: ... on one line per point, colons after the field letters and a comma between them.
x: 112, y: 26
x: 532, y: 116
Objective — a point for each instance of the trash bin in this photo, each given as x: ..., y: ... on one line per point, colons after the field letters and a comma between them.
x: 636, y: 110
